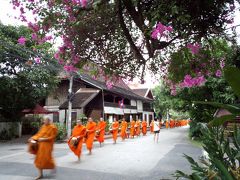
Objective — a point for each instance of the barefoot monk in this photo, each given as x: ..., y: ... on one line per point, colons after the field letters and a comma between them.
x: 90, y: 135
x: 76, y: 140
x: 45, y: 139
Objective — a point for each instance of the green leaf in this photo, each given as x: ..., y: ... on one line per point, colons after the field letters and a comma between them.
x: 232, y: 75
x: 238, y: 155
x: 232, y: 108
x: 196, y: 177
x: 220, y: 120
x: 223, y: 169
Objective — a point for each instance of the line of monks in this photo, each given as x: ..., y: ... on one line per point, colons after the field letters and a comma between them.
x: 176, y: 123
x: 81, y: 134
x: 41, y: 144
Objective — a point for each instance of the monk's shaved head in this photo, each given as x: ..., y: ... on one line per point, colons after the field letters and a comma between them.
x: 79, y: 121
x: 47, y: 120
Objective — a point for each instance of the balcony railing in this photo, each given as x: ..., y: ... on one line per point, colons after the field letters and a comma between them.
x: 148, y: 109
x: 109, y: 104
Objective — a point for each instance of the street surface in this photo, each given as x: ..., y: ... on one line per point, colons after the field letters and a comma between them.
x: 132, y: 159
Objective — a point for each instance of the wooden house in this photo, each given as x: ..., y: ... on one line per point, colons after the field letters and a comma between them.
x: 94, y: 99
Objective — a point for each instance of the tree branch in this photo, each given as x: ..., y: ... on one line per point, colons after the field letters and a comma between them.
x: 138, y: 19
x: 136, y: 51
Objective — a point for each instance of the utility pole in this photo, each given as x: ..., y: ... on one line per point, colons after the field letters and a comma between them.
x: 167, y: 114
x: 70, y: 94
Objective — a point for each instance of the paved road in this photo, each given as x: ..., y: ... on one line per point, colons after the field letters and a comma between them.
x: 133, y: 159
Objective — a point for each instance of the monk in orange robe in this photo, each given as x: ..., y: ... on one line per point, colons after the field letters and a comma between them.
x: 167, y: 124
x: 123, y: 129
x: 132, y: 128
x: 101, y: 131
x: 78, y: 134
x: 151, y: 126
x: 144, y: 127
x: 115, y: 126
x: 137, y: 127
x: 91, y: 128
x: 45, y: 139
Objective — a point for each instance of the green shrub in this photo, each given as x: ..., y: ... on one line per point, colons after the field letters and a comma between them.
x: 31, y: 124
x: 13, y: 130
x: 195, y: 129
x: 5, y: 135
x: 107, y: 126
x: 223, y: 157
x: 62, y: 132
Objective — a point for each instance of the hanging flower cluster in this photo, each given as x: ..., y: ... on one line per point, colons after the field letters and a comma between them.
x: 194, y: 48
x: 161, y: 31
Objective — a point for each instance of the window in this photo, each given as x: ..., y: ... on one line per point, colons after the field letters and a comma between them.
x: 55, y: 117
x: 117, y: 99
x: 126, y: 102
x: 108, y: 98
x: 150, y: 117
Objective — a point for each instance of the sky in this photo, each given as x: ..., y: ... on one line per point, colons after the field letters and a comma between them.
x: 7, y: 17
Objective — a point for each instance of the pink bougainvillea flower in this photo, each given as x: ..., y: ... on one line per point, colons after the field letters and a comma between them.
x: 37, y: 60
x: 194, y: 48
x: 34, y: 36
x: 173, y: 92
x: 84, y: 3
x: 70, y: 68
x: 154, y: 34
x: 22, y: 40
x: 109, y: 84
x: 56, y: 55
x: 218, y: 73
x: 161, y: 30
x: 192, y: 81
x: 169, y: 28
x: 222, y: 64
x: 34, y: 26
x: 94, y: 77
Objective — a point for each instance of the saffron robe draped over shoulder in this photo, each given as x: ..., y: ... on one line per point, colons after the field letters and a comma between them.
x: 137, y: 128
x: 91, y: 127
x: 123, y: 129
x: 44, y: 159
x: 79, y: 131
x: 132, y: 128
x: 151, y: 127
x: 167, y: 124
x: 115, y: 126
x: 144, y: 127
x: 101, y: 128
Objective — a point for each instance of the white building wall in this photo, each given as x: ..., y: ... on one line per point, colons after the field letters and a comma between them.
x: 148, y: 116
x: 139, y: 106
x: 133, y: 102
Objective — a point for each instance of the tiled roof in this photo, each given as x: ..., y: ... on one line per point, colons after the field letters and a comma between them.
x: 81, y: 98
x: 140, y: 92
x: 115, y: 89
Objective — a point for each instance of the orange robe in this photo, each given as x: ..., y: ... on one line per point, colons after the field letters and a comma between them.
x: 123, y: 129
x: 167, y: 124
x: 144, y: 128
x: 91, y: 126
x: 137, y: 128
x: 151, y: 127
x: 115, y: 126
x: 132, y: 128
x: 101, y: 128
x: 44, y: 159
x: 79, y: 131
x: 172, y: 123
